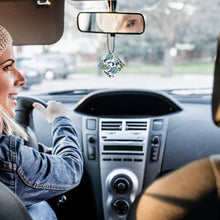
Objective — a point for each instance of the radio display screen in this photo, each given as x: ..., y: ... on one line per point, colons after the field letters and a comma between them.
x: 123, y: 148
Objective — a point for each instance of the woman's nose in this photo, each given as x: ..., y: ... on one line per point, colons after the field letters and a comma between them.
x: 20, y: 79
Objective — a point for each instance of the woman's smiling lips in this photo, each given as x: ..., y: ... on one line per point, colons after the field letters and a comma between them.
x: 13, y: 98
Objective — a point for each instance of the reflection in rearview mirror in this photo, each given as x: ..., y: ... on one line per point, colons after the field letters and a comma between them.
x: 111, y: 22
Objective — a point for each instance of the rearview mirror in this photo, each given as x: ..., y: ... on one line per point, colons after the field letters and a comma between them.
x: 111, y: 22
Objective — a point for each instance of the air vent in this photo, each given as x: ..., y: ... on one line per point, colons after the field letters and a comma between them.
x: 111, y: 125
x: 136, y: 125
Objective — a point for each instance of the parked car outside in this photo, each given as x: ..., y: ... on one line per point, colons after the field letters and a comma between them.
x: 26, y: 66
x: 55, y: 65
x: 70, y: 65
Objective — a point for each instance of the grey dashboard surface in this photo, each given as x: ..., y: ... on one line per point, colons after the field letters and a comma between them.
x: 191, y: 133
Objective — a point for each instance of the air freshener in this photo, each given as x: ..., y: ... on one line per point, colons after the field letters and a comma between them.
x: 111, y: 65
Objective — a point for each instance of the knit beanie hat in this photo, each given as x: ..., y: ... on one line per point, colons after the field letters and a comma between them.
x: 5, y: 39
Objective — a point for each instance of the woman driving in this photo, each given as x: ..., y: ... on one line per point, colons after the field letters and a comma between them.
x: 34, y: 176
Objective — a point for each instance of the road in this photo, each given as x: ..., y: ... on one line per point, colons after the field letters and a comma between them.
x: 146, y: 81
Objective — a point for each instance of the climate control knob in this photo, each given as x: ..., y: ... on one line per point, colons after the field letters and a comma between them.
x: 120, y: 206
x: 121, y: 185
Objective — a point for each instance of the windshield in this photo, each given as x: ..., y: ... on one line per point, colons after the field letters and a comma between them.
x: 176, y: 51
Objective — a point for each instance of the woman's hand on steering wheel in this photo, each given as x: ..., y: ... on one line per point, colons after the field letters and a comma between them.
x: 53, y: 110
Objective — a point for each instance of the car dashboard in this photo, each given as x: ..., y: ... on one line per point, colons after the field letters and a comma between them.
x: 129, y: 138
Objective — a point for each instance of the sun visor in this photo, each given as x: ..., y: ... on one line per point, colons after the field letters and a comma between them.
x: 216, y: 89
x: 33, y: 22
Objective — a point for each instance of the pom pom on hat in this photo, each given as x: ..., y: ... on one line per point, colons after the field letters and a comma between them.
x: 5, y: 39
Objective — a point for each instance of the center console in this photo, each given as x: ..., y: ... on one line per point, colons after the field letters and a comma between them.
x: 123, y: 149
x: 123, y: 135
x: 127, y: 155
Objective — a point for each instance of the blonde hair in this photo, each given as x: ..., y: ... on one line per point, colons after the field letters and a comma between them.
x: 9, y: 127
x: 7, y: 124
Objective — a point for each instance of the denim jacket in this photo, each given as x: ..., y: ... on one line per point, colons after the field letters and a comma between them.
x: 36, y: 176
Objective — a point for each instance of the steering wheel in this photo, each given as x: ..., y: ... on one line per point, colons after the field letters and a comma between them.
x: 23, y: 116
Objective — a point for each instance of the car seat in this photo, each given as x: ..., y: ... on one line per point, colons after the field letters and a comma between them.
x: 11, y: 207
x: 191, y: 192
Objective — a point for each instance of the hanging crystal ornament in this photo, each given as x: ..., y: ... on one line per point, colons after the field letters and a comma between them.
x: 111, y: 64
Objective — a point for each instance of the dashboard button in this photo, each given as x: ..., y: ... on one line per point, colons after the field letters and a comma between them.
x: 154, y: 154
x: 92, y: 139
x: 91, y: 147
x: 91, y: 124
x: 155, y: 140
x: 157, y: 125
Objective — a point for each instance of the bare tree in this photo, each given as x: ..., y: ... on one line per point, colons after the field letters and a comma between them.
x: 169, y: 18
